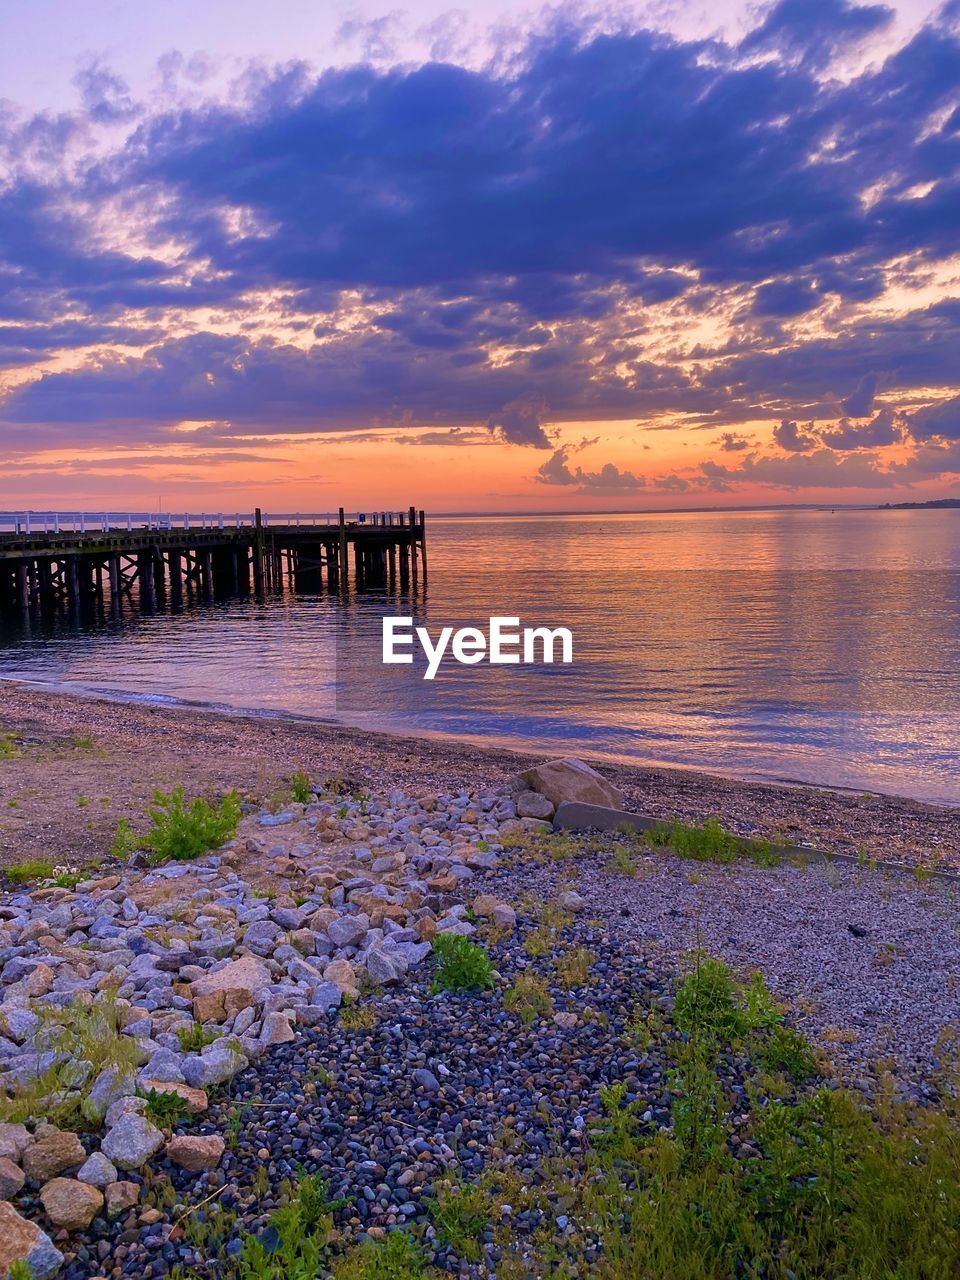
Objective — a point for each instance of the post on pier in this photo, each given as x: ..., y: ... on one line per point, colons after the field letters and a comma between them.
x: 258, y: 551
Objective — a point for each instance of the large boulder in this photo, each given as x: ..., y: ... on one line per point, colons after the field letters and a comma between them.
x: 131, y: 1142
x: 571, y: 780
x: 23, y: 1241
x: 70, y: 1204
x: 11, y: 1179
x: 194, y: 1152
x: 52, y: 1154
x: 248, y: 975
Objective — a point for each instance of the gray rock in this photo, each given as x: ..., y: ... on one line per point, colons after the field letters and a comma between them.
x: 530, y: 804
x: 166, y: 1065
x: 261, y: 937
x: 217, y: 1063
x: 381, y: 967
x: 326, y: 996
x: 348, y: 931
x: 426, y: 1079
x: 97, y: 1170
x: 109, y: 1086
x: 131, y: 1142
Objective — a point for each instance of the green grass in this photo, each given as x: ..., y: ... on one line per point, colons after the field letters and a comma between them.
x: 461, y: 964
x: 76, y: 1034
x: 709, y: 842
x: 8, y: 745
x: 398, y: 1257
x: 30, y: 869
x: 181, y: 831
x: 461, y: 1214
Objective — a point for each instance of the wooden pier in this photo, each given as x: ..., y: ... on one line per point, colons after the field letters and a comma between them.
x: 54, y: 561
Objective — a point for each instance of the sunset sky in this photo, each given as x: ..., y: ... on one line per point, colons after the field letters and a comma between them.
x: 489, y: 257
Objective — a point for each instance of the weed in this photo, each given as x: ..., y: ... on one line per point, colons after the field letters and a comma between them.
x: 235, y: 1118
x: 573, y: 966
x: 461, y: 1214
x: 31, y: 869
x: 355, y: 1017
x: 182, y: 831
x: 195, y: 1037
x: 8, y: 745
x: 709, y: 842
x: 622, y: 862
x: 397, y: 1257
x: 461, y: 965
x: 301, y: 788
x: 83, y: 742
x: 529, y: 998
x: 125, y: 841
x: 296, y: 1238
x: 162, y: 1108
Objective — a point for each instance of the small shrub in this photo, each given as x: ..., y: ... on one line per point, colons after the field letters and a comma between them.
x: 709, y: 1002
x: 163, y: 1109
x: 182, y: 831
x: 462, y: 965
x: 31, y: 869
x: 300, y: 788
x: 8, y: 746
x: 68, y: 879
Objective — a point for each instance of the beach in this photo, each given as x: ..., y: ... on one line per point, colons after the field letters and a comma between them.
x: 369, y: 981
x: 113, y: 755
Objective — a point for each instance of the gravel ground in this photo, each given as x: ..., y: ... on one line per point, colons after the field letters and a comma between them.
x: 128, y: 750
x: 869, y: 962
x: 443, y: 1084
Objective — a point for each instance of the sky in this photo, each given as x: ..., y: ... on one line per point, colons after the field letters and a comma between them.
x: 483, y: 258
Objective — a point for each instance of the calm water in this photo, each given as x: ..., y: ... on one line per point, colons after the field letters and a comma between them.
x: 804, y: 645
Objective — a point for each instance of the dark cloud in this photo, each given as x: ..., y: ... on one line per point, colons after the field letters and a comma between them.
x: 609, y: 479
x: 884, y: 429
x: 730, y: 442
x: 938, y: 420
x: 860, y: 402
x: 813, y: 31
x: 509, y: 233
x: 791, y: 436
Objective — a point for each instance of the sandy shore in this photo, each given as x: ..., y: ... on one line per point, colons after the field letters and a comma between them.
x: 78, y: 764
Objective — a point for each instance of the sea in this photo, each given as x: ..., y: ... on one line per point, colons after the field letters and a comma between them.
x: 811, y: 646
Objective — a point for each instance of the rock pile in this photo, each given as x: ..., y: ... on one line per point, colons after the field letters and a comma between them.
x: 206, y: 965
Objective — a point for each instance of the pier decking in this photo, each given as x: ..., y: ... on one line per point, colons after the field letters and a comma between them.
x: 73, y: 560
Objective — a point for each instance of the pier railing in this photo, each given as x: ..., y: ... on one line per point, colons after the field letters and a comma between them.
x: 32, y: 523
